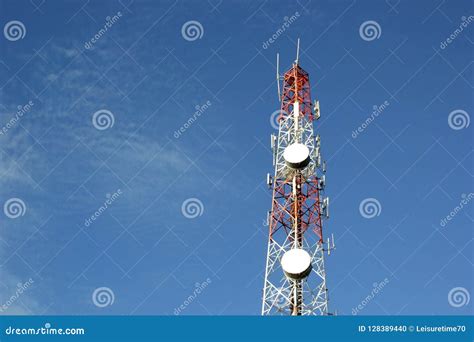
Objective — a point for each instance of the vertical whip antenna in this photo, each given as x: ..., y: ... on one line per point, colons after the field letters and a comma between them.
x: 278, y: 76
x: 298, y: 51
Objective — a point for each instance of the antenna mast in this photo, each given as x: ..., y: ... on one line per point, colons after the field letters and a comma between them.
x: 295, y: 276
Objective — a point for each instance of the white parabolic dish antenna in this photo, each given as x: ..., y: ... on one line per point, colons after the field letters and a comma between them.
x: 296, y: 263
x: 296, y: 156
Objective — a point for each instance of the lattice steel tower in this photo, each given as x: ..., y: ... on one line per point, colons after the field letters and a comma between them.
x: 295, y: 277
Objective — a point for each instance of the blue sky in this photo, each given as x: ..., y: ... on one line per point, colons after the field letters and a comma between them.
x: 411, y: 158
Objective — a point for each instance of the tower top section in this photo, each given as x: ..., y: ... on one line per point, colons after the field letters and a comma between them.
x: 295, y: 87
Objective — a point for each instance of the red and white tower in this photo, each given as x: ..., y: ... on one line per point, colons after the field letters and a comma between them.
x: 295, y: 277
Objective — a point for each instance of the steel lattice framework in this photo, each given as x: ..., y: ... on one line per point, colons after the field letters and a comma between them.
x: 298, y: 206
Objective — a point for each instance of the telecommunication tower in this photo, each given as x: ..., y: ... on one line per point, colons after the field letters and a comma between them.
x: 295, y: 277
